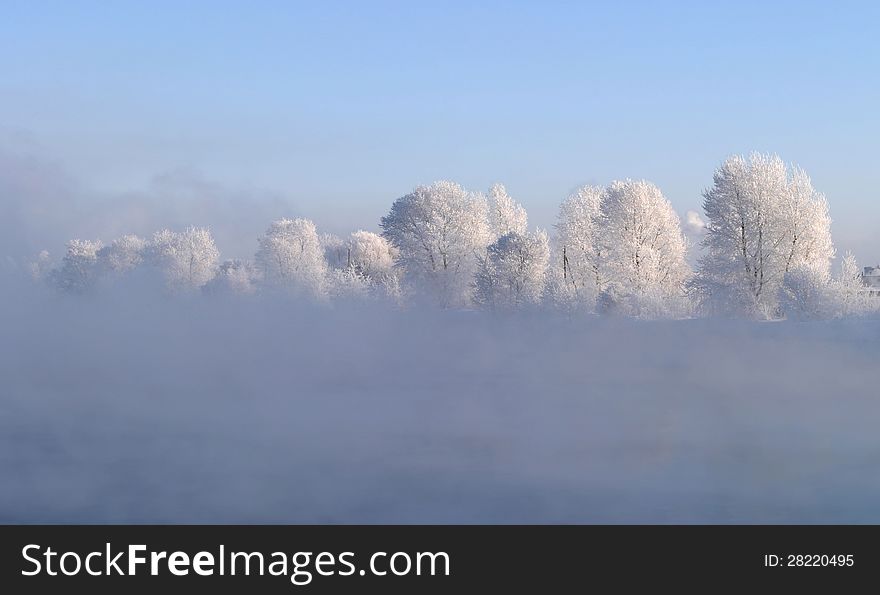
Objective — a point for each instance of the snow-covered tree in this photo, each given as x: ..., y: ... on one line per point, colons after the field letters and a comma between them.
x: 807, y: 294
x: 364, y: 266
x: 341, y: 280
x: 234, y: 277
x: 762, y: 223
x: 807, y: 225
x: 79, y: 270
x: 513, y: 271
x: 290, y: 256
x: 336, y: 251
x: 188, y: 259
x: 348, y: 284
x: 643, y: 249
x: 123, y: 254
x: 852, y: 297
x: 371, y: 254
x: 440, y: 231
x: 505, y: 214
x: 579, y: 250
x: 375, y: 258
x: 41, y: 266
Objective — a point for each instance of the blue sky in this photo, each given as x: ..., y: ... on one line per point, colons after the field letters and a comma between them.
x: 341, y: 107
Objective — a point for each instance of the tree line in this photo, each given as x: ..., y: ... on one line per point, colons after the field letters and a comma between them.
x: 618, y: 249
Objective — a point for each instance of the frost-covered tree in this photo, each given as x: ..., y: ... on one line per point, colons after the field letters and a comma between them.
x: 234, y: 277
x: 643, y: 249
x: 336, y: 251
x: 364, y: 266
x: 371, y: 254
x: 440, y: 231
x: 852, y: 297
x: 579, y: 250
x: 374, y: 257
x: 807, y: 294
x: 763, y: 221
x: 505, y: 214
x: 79, y: 269
x: 290, y: 256
x: 41, y: 266
x: 512, y: 272
x: 188, y: 259
x: 807, y: 226
x: 123, y: 254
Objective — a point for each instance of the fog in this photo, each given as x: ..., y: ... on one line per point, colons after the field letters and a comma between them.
x: 43, y: 205
x: 130, y: 403
x: 159, y: 408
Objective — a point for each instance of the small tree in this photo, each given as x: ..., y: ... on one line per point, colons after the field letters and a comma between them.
x: 336, y: 251
x: 807, y: 293
x: 852, y: 296
x: 513, y: 271
x: 505, y: 214
x: 371, y: 254
x: 290, y: 256
x: 367, y: 267
x: 234, y: 277
x: 188, y: 259
x: 41, y: 267
x: 123, y: 254
x: 79, y: 269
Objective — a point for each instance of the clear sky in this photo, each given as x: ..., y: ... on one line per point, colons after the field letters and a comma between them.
x: 339, y: 108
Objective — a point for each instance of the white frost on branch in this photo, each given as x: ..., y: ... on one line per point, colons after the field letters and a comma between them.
x: 505, y: 214
x: 763, y: 222
x: 291, y: 257
x: 618, y: 249
x: 576, y: 268
x: 123, y: 254
x: 366, y: 267
x: 79, y: 270
x: 234, y: 277
x: 440, y: 231
x: 642, y: 251
x: 188, y: 259
x: 512, y: 273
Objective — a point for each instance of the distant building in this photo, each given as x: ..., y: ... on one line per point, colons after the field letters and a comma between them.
x: 871, y: 277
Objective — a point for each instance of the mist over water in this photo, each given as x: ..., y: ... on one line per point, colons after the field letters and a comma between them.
x: 126, y: 407
x: 226, y: 230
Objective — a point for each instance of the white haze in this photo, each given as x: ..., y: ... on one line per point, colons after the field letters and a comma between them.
x: 138, y: 407
x: 42, y: 206
x: 132, y: 405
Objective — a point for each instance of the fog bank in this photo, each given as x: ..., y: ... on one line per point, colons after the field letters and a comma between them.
x: 229, y: 410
